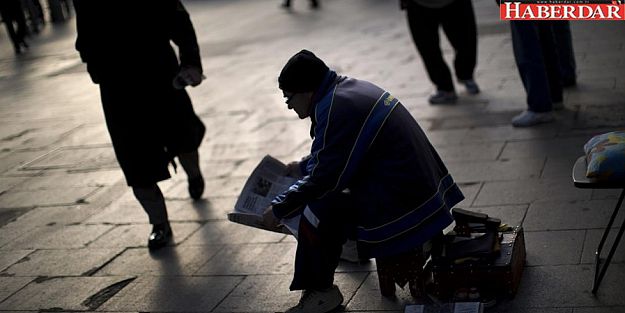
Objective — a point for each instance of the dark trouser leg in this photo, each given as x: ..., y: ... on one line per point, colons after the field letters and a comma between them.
x: 531, y: 64
x: 566, y: 55
x: 459, y: 26
x: 424, y: 24
x: 319, y: 247
x: 552, y: 62
x: 153, y: 202
x: 190, y: 162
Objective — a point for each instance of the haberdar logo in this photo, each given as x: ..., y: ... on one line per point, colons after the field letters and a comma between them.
x: 606, y: 10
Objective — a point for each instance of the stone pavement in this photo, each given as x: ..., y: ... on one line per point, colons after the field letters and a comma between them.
x: 72, y: 237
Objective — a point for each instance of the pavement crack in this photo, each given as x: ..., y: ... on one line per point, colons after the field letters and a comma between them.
x: 18, y: 135
x: 98, y: 298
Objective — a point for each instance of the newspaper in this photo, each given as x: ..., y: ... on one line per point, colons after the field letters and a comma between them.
x: 266, y: 182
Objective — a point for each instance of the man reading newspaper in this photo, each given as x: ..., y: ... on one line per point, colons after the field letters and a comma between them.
x: 371, y: 174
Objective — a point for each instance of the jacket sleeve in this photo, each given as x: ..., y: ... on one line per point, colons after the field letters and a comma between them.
x: 183, y: 35
x: 335, y: 135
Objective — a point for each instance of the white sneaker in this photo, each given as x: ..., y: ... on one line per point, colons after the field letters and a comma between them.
x: 530, y: 118
x: 318, y: 301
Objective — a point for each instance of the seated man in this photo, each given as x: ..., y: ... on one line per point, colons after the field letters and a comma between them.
x: 372, y: 175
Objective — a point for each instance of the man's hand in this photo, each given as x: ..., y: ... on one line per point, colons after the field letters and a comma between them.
x: 269, y: 219
x: 293, y: 170
x: 188, y: 75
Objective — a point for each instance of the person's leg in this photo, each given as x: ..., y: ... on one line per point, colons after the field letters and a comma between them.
x: 459, y: 26
x: 531, y: 65
x: 286, y: 3
x: 566, y: 55
x: 151, y: 199
x: 552, y: 60
x: 324, y: 227
x: 190, y: 162
x: 424, y: 23
x: 13, y: 35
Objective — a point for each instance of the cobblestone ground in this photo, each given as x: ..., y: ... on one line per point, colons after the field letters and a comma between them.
x: 73, y: 238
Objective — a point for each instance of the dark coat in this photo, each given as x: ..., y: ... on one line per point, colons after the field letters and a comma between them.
x: 366, y: 141
x: 126, y: 46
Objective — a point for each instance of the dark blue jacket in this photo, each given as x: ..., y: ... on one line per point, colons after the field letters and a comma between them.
x: 366, y: 141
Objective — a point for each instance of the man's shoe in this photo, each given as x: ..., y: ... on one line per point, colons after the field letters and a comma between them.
x: 196, y: 187
x: 443, y: 97
x: 314, y: 4
x: 318, y: 301
x: 531, y: 118
x: 159, y: 237
x: 471, y: 86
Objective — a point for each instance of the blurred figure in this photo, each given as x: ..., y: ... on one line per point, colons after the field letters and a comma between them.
x: 458, y: 22
x: 128, y: 53
x: 537, y: 60
x: 60, y: 10
x: 35, y: 15
x: 13, y: 15
x: 313, y: 4
x: 566, y: 55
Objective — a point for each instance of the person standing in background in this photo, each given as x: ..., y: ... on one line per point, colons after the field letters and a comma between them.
x: 458, y: 22
x: 13, y: 15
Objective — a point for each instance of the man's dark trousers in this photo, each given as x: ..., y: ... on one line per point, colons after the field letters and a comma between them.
x: 537, y: 60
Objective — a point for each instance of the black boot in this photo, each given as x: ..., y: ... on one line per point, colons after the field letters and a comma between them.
x: 159, y: 237
x: 196, y: 187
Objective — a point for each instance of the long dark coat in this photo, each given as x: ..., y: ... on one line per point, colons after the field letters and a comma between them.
x: 126, y: 46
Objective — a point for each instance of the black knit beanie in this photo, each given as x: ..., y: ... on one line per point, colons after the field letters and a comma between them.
x: 303, y: 72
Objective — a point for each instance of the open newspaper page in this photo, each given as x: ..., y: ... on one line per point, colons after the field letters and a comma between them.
x: 266, y: 182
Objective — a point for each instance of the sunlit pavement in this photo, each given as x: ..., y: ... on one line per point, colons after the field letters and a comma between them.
x: 72, y: 236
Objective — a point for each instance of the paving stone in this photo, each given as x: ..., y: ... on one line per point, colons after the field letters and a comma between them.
x: 124, y: 210
x: 52, y: 293
x: 9, y: 233
x: 47, y: 197
x: 469, y: 190
x: 568, y: 286
x: 10, y: 285
x: 560, y: 215
x: 76, y: 262
x: 277, y: 258
x: 136, y: 235
x: 559, y: 148
x: 554, y: 247
x: 475, y: 171
x: 602, y: 309
x: 51, y: 216
x: 169, y: 294
x: 470, y: 152
x: 76, y: 158
x: 557, y: 168
x: 226, y: 232
x: 105, y: 177
x: 207, y: 209
x: 368, y: 297
x: 528, y: 191
x: 6, y: 183
x: 8, y: 258
x: 57, y: 237
x: 271, y: 293
x: 598, y: 194
x: 227, y: 187
x: 168, y: 261
x: 591, y: 243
